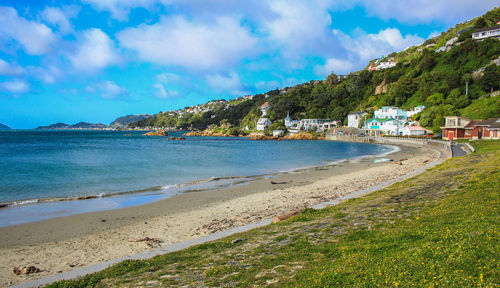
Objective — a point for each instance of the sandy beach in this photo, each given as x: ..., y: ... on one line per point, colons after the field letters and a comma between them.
x: 62, y: 244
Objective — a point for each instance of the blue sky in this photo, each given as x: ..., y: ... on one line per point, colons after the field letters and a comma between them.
x: 95, y: 60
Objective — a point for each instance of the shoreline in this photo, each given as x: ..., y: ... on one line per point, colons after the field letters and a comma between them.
x: 50, y: 208
x: 97, y: 237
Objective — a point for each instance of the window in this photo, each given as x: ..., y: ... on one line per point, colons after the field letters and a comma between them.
x: 467, y: 132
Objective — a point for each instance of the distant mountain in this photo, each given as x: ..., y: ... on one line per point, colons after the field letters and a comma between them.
x: 4, y: 127
x: 122, y: 122
x: 80, y: 125
x: 55, y: 126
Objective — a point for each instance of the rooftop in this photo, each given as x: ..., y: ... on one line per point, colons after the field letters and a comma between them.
x: 488, y: 28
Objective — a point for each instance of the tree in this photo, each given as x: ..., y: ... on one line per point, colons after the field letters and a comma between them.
x: 332, y: 80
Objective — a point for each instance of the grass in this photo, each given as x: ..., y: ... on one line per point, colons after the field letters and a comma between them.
x: 439, y: 229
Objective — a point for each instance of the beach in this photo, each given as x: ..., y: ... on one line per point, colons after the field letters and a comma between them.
x: 62, y: 244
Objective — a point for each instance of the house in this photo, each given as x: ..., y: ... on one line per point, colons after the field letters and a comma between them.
x: 264, y: 108
x: 353, y: 118
x: 384, y: 65
x: 311, y: 124
x: 278, y: 133
x: 263, y: 123
x: 289, y: 122
x: 486, y: 129
x: 490, y: 32
x: 455, y: 128
x: 495, y: 129
x: 414, y: 131
x: 328, y: 125
x: 383, y: 126
x: 390, y: 112
x: 416, y: 110
x: 462, y: 128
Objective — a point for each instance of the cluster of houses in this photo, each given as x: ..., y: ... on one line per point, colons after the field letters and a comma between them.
x: 388, y: 120
x: 382, y: 63
x: 456, y: 127
x: 294, y: 126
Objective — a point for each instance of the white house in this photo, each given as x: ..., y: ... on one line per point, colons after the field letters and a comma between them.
x: 289, y: 122
x: 264, y: 108
x: 353, y: 118
x: 415, y: 110
x: 263, y: 123
x: 328, y: 125
x: 312, y: 124
x: 414, y: 131
x: 390, y: 112
x: 278, y: 133
x: 491, y: 32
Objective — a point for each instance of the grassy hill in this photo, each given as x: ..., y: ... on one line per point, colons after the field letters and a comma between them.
x: 437, y: 229
x: 422, y: 76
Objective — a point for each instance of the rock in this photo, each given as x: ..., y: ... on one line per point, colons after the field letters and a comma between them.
x: 235, y: 241
x: 279, y: 218
x: 181, y: 138
x: 382, y: 88
x: 26, y: 270
x: 171, y: 138
x: 303, y: 136
x: 156, y: 133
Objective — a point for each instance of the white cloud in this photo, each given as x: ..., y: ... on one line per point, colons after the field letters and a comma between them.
x: 119, y: 9
x: 426, y: 11
x: 337, y: 66
x: 59, y: 18
x: 177, y: 41
x: 162, y: 93
x: 168, y: 77
x: 9, y: 69
x: 369, y: 46
x: 230, y: 83
x: 48, y: 75
x: 16, y: 86
x: 363, y: 47
x: 299, y: 28
x: 107, y: 90
x: 95, y: 51
x: 36, y: 38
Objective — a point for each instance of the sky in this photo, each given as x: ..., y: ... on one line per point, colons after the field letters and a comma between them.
x: 95, y: 60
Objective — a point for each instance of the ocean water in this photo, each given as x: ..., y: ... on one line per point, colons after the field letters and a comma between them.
x: 39, y: 165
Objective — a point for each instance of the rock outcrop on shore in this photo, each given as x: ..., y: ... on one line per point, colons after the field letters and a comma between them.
x: 156, y: 133
x: 206, y: 133
x: 303, y: 136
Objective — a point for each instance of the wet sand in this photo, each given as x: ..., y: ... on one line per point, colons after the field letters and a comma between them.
x: 62, y: 244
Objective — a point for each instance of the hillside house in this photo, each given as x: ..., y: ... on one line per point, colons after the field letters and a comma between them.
x: 264, y: 108
x: 490, y: 32
x: 263, y: 123
x: 415, y: 110
x: 353, y: 119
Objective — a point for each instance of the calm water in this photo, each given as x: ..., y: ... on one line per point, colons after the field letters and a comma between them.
x: 65, y: 164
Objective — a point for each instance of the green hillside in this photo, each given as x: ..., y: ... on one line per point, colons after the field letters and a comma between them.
x: 457, y: 81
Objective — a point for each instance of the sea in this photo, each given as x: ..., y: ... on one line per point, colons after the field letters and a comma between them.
x: 52, y: 173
